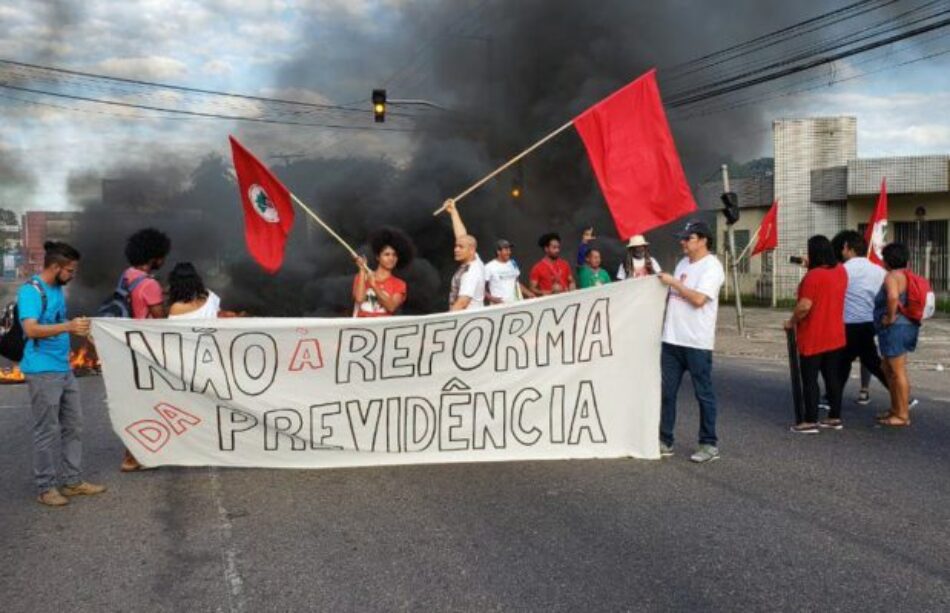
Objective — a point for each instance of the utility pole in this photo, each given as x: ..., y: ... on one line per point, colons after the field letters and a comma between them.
x: 731, y: 250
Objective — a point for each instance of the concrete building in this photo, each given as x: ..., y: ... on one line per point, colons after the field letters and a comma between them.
x: 37, y: 227
x: 823, y: 187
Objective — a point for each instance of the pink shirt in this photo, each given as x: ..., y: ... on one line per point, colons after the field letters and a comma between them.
x: 147, y: 293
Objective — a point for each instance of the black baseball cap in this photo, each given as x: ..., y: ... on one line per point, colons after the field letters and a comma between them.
x: 503, y: 244
x: 699, y: 228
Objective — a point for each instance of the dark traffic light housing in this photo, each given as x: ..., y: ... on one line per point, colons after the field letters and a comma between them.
x: 379, y: 105
x: 730, y: 207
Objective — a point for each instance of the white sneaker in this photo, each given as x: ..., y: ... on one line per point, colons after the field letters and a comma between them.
x: 705, y: 453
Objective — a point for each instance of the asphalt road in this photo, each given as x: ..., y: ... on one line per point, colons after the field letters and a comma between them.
x: 857, y: 520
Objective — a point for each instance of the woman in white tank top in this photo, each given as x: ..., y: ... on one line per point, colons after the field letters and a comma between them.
x: 188, y: 296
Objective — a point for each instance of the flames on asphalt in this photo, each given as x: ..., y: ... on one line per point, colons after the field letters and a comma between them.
x: 83, y: 361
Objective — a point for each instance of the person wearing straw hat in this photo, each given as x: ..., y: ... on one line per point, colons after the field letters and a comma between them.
x: 638, y: 262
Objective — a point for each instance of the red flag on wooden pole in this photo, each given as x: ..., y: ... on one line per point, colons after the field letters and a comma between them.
x: 268, y: 210
x: 768, y: 231
x: 631, y: 150
x: 875, y: 234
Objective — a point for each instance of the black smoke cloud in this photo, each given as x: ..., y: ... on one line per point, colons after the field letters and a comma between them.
x: 510, y: 72
x: 17, y: 183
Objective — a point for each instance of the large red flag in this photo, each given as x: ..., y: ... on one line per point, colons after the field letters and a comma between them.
x: 768, y: 231
x: 874, y: 235
x: 631, y: 150
x: 268, y: 210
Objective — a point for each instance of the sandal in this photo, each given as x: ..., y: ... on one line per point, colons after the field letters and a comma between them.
x: 893, y: 421
x: 831, y: 424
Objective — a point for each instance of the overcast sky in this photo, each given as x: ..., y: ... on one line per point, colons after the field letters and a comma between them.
x: 248, y: 46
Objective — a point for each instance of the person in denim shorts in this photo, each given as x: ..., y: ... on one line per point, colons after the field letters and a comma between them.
x: 896, y: 334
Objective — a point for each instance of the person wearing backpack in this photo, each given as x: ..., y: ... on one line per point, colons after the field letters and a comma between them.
x: 145, y: 251
x: 896, y: 331
x: 54, y: 393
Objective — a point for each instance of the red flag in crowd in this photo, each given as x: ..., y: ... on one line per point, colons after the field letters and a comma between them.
x: 268, y: 211
x: 631, y: 150
x: 768, y: 231
x: 877, y: 227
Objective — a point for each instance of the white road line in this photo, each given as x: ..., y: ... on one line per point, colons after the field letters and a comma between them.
x: 232, y: 577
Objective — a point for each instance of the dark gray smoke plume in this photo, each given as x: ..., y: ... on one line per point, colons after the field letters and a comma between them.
x: 510, y: 72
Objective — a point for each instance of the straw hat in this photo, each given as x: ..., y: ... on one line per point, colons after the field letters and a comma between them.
x: 637, y: 240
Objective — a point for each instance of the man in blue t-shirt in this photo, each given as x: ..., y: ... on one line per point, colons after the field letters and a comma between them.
x: 54, y: 393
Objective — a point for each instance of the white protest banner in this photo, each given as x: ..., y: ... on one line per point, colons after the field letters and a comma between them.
x: 575, y: 375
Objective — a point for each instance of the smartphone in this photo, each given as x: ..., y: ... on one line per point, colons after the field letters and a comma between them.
x: 794, y: 259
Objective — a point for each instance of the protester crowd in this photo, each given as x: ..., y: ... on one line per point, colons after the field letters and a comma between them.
x: 848, y: 308
x: 845, y: 303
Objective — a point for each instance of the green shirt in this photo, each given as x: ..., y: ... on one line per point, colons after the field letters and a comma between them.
x: 588, y: 278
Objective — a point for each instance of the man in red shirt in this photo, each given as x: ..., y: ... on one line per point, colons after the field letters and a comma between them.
x: 552, y: 275
x: 145, y: 251
x: 819, y: 322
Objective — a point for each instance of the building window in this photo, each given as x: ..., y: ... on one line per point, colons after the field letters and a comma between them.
x: 742, y: 241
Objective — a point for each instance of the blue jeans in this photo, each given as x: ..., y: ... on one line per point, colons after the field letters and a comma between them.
x: 674, y: 362
x: 57, y: 427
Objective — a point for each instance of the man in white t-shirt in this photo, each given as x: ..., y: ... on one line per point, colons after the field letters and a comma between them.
x: 468, y: 282
x: 689, y: 333
x: 502, y: 277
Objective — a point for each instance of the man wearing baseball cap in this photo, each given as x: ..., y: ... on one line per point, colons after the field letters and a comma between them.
x: 689, y: 333
x: 503, y: 277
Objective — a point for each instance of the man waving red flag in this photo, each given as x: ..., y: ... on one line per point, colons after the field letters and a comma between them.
x: 631, y: 150
x: 874, y: 236
x: 268, y: 210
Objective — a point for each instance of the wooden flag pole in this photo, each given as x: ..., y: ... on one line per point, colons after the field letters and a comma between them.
x: 752, y: 242
x: 339, y: 239
x: 507, y: 164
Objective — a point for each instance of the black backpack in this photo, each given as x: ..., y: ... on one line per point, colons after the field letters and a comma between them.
x: 13, y: 339
x: 119, y: 304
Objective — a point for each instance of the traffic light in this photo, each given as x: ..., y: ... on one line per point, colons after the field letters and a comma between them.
x: 379, y: 105
x: 517, y: 183
x: 730, y: 207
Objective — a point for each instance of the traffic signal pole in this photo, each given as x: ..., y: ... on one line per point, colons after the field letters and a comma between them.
x: 731, y: 254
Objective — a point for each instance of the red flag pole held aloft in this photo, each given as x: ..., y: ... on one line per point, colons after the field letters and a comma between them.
x: 633, y: 156
x: 268, y: 212
x: 507, y: 165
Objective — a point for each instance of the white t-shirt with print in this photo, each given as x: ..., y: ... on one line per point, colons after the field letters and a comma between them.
x: 686, y: 325
x: 473, y: 284
x: 502, y: 279
x: 638, y: 265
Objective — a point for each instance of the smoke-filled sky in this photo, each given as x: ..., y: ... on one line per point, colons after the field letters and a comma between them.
x: 509, y: 72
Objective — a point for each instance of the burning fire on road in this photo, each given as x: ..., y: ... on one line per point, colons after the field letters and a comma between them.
x: 83, y: 361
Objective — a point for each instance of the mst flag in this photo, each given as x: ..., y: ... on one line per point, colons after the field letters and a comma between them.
x: 768, y: 231
x: 268, y: 211
x: 875, y: 235
x: 634, y: 158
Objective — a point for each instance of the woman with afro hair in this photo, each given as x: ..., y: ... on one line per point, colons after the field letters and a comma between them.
x: 379, y: 293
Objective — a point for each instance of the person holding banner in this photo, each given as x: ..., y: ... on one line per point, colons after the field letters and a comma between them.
x: 502, y: 277
x: 54, y: 393
x: 552, y: 274
x: 689, y: 333
x: 591, y: 274
x: 638, y: 261
x: 188, y: 298
x: 468, y: 282
x: 380, y: 293
x: 145, y: 251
